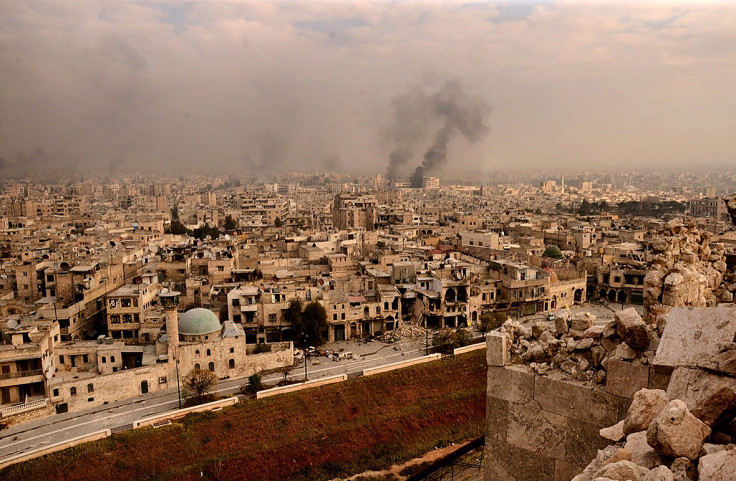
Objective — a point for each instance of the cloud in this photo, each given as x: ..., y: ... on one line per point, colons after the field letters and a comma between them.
x: 263, y: 86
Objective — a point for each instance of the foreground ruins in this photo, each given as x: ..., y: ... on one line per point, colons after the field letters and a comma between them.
x: 639, y: 398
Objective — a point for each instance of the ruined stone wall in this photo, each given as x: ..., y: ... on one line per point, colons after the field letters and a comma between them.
x: 546, y: 428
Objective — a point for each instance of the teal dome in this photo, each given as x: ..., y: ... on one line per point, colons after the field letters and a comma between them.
x: 198, y: 321
x: 553, y: 252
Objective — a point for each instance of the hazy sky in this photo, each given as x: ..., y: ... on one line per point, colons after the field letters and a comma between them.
x: 305, y: 84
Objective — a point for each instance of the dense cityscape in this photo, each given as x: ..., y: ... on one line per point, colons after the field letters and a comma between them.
x: 112, y: 290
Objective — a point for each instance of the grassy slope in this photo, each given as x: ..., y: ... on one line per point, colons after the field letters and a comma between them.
x: 341, y: 429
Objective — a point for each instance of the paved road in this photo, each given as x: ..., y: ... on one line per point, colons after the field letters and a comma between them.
x: 120, y: 415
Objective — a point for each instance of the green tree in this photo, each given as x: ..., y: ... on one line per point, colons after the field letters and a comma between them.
x: 230, y: 223
x: 486, y: 323
x: 313, y: 324
x: 198, y: 384
x: 177, y: 228
x: 293, y: 314
x: 445, y: 340
x: 277, y: 222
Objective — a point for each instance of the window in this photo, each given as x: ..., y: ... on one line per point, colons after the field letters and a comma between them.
x: 73, y: 391
x: 212, y: 367
x: 236, y: 302
x: 61, y: 359
x: 56, y: 392
x: 196, y: 366
x: 104, y: 360
x: 90, y: 399
x: 334, y: 317
x: 343, y: 316
x: 112, y: 358
x: 232, y: 349
x: 85, y: 358
x: 209, y: 352
x: 90, y: 387
x: 231, y: 364
x: 196, y: 353
x: 272, y: 318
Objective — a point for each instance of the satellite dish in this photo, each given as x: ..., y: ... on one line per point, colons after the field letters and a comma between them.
x: 227, y: 236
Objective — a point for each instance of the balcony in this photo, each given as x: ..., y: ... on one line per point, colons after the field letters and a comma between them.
x: 16, y: 375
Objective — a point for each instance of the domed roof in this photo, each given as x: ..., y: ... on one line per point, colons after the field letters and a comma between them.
x: 198, y: 321
x: 553, y: 252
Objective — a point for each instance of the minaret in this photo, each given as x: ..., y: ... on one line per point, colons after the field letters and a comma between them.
x: 170, y: 302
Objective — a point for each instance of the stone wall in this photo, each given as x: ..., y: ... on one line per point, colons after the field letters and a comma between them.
x: 542, y: 428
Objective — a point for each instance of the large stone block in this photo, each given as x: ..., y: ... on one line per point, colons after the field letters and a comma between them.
x: 536, y: 430
x: 677, y: 433
x: 565, y: 471
x: 497, y: 348
x: 583, y: 442
x: 647, y: 403
x: 625, y: 378
x: 497, y: 418
x: 510, y: 384
x: 577, y: 401
x: 720, y: 466
x: 695, y: 337
x: 707, y: 395
x: 632, y: 329
x: 504, y: 462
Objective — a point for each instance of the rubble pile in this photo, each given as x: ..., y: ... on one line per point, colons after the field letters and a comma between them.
x: 663, y: 440
x: 688, y: 432
x: 407, y: 331
x: 578, y: 347
x: 686, y: 270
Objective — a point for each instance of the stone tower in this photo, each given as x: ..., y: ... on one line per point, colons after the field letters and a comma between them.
x: 170, y: 302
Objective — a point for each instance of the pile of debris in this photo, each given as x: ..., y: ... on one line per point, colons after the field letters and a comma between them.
x: 687, y: 432
x: 405, y: 331
x: 579, y: 348
x: 686, y: 269
x: 667, y: 440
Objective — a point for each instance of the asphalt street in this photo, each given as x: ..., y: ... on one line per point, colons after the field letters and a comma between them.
x: 120, y: 415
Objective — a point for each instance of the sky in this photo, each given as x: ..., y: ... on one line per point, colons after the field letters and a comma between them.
x: 266, y: 86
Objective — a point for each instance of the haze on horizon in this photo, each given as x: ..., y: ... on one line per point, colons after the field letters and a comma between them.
x: 265, y: 86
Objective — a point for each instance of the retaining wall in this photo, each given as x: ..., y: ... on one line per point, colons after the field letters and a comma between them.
x: 539, y: 428
x: 298, y: 387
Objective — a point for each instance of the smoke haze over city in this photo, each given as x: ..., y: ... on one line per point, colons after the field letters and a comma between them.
x: 272, y: 86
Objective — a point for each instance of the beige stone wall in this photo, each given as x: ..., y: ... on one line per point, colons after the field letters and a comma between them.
x: 544, y: 429
x: 111, y: 387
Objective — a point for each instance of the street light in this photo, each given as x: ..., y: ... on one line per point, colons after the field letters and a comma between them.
x: 178, y: 388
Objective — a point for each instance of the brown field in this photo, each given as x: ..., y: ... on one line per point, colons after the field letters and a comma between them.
x: 332, y: 431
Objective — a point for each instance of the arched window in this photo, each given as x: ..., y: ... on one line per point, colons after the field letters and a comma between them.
x: 232, y: 349
x: 90, y: 387
x: 73, y: 391
x: 212, y: 367
x: 209, y: 353
x: 231, y: 364
x: 196, y: 352
x: 196, y: 366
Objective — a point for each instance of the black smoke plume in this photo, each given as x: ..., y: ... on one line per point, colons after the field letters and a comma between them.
x: 449, y: 111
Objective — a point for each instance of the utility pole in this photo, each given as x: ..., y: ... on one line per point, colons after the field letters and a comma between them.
x: 178, y: 388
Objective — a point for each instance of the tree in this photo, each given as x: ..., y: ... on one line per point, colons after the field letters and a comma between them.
x: 293, y: 314
x: 486, y: 323
x: 177, y: 228
x: 199, y: 383
x: 446, y: 340
x: 313, y: 324
x: 230, y: 223
x: 277, y: 222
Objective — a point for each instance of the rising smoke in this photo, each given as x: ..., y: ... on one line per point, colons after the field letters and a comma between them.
x: 449, y: 111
